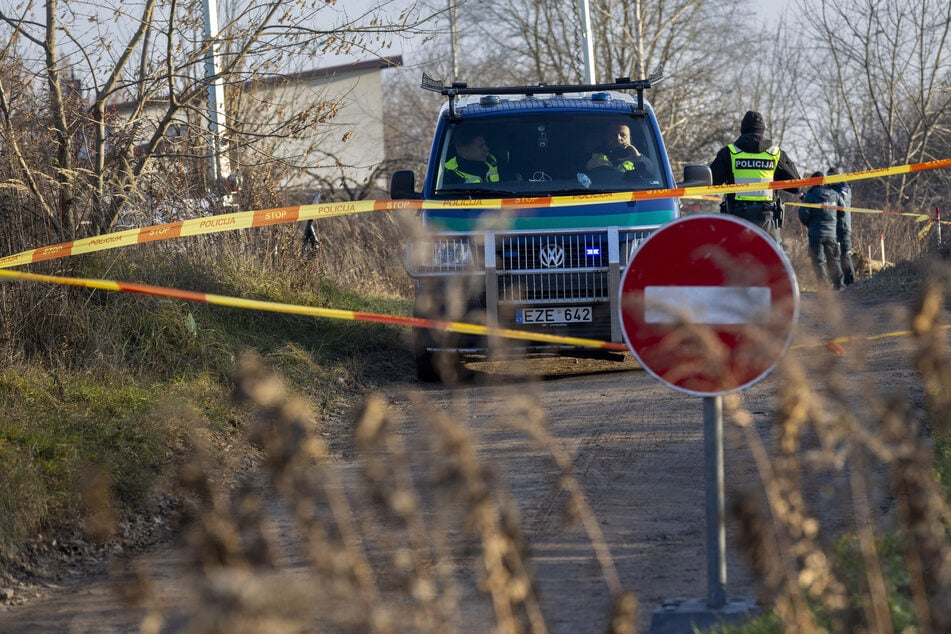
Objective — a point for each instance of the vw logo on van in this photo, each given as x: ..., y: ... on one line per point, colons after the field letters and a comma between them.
x: 551, y: 256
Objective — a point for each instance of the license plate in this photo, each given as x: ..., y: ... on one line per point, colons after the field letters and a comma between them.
x: 555, y: 315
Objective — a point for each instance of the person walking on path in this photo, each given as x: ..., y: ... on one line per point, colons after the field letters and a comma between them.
x: 843, y: 229
x: 753, y: 158
x: 821, y: 225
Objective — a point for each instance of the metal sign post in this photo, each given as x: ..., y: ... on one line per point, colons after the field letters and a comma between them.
x: 716, y: 521
x: 707, y: 306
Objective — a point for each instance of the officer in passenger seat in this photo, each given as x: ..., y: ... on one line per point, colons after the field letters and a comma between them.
x: 616, y: 150
x: 752, y: 158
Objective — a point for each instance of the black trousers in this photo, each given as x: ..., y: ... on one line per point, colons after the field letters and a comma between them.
x: 764, y: 215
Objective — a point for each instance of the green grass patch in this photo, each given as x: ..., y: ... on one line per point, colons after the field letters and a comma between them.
x: 942, y: 458
x: 174, y: 339
x: 53, y: 428
x: 121, y: 389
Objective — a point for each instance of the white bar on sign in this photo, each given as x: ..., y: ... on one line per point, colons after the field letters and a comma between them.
x: 707, y: 304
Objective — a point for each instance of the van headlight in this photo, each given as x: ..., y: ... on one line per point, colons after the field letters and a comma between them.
x: 441, y: 254
x: 456, y: 253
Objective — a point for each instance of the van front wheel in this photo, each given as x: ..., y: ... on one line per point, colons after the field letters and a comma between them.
x: 426, y: 368
x: 433, y: 366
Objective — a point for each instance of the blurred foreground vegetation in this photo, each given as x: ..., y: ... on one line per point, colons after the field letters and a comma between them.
x: 114, y: 388
x: 115, y: 404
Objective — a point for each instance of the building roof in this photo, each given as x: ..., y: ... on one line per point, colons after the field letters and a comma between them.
x: 303, y: 76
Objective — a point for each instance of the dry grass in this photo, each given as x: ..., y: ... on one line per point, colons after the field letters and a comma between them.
x: 377, y: 547
x: 427, y: 526
x: 829, y: 567
x: 403, y: 537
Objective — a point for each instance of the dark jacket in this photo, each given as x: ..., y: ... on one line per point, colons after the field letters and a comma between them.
x: 479, y: 169
x: 722, y: 166
x: 821, y: 222
x: 843, y: 224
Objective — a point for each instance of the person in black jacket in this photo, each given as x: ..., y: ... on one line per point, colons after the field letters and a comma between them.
x: 821, y: 225
x: 753, y: 158
x: 473, y: 161
x: 616, y: 150
x: 843, y: 229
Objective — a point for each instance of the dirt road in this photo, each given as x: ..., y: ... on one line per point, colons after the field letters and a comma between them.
x: 637, y: 454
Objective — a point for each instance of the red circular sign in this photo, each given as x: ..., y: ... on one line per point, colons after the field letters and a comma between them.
x: 708, y: 304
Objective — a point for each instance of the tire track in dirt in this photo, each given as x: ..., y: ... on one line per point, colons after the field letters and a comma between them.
x: 638, y: 456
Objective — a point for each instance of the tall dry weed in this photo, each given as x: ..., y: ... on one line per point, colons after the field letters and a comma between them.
x: 837, y: 459
x: 396, y: 545
x: 840, y: 471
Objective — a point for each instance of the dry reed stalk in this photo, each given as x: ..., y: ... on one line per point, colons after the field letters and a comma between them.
x: 386, y: 470
x: 853, y: 434
x: 529, y: 418
x: 506, y: 574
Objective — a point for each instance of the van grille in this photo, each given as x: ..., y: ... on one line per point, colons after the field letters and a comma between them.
x: 558, y: 267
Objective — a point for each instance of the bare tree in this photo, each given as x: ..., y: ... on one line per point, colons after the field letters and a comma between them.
x: 124, y: 86
x: 883, y: 98
x: 702, y: 47
x: 410, y: 120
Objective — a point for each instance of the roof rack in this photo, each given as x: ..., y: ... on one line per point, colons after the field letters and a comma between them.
x: 460, y: 88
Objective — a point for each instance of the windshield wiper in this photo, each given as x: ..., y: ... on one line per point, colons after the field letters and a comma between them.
x: 478, y: 192
x: 578, y: 191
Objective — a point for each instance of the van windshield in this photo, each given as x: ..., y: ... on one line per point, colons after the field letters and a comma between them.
x: 548, y: 153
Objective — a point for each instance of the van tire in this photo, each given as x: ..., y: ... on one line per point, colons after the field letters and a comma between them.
x: 434, y: 366
x: 426, y: 368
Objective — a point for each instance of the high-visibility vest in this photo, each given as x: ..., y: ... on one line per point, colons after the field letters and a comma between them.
x: 491, y: 174
x: 754, y: 167
x: 625, y: 166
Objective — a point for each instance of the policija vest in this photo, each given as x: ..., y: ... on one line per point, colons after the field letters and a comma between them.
x: 491, y: 173
x: 625, y: 166
x: 754, y: 167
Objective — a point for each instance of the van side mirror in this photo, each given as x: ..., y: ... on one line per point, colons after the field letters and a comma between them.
x: 696, y: 176
x: 403, y: 185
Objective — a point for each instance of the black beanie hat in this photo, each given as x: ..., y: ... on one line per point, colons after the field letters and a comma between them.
x: 753, y: 123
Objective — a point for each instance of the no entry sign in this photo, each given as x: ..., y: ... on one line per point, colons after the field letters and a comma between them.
x: 708, y: 304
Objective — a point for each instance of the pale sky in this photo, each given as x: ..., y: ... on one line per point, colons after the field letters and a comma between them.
x: 769, y: 9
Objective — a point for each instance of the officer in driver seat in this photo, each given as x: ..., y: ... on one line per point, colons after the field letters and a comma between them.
x: 753, y: 158
x: 473, y: 162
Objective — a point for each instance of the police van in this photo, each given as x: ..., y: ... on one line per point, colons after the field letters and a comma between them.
x: 551, y: 267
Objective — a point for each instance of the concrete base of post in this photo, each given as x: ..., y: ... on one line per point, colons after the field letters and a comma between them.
x: 684, y: 616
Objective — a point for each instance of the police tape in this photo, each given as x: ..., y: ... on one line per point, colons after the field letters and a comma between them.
x: 703, y: 197
x: 286, y: 215
x: 929, y: 220
x: 202, y: 226
x: 330, y: 313
x: 917, y: 216
x: 836, y: 345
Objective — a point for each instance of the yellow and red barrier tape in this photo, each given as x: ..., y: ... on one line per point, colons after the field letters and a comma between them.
x: 295, y: 309
x: 285, y: 215
x: 835, y: 345
x: 204, y: 225
x: 929, y: 219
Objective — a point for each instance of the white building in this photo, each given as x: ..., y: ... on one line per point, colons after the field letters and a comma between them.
x: 338, y: 135
x: 348, y: 141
